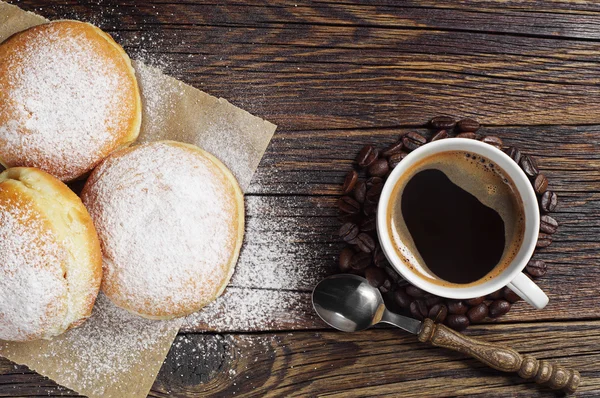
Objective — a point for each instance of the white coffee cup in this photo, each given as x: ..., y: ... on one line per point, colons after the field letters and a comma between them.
x: 512, y: 276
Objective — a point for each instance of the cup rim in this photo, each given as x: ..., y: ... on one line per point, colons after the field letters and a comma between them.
x: 524, y: 189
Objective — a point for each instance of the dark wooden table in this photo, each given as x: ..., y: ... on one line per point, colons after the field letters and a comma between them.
x: 335, y: 75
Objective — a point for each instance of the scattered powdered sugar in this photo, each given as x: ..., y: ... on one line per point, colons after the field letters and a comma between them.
x: 167, y: 220
x: 64, y: 104
x: 33, y: 291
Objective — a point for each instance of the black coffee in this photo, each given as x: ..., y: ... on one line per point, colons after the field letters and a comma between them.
x: 456, y: 218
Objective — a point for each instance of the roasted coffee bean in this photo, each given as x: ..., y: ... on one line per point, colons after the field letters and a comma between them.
x: 395, y: 159
x: 475, y: 301
x: 375, y: 276
x: 514, y: 153
x: 392, y: 274
x: 493, y: 141
x: 467, y: 126
x: 457, y: 308
x: 544, y: 240
x: 345, y: 258
x: 348, y: 205
x: 349, y: 182
x: 548, y: 202
x: 529, y: 166
x: 478, y: 313
x: 360, y: 260
x: 393, y: 149
x: 369, y: 209
x: 386, y: 287
x: 373, y: 194
x: 379, y: 258
x: 371, y: 182
x: 364, y: 242
x: 432, y: 300
x: 540, y: 184
x: 511, y: 296
x: 442, y: 123
x: 349, y: 231
x: 548, y: 224
x: 438, y: 313
x: 413, y: 140
x: 368, y: 224
x: 471, y: 136
x: 457, y: 322
x: 440, y: 135
x: 415, y: 292
x: 495, y: 295
x: 367, y: 156
x: 401, y: 298
x: 418, y: 309
x: 536, y: 268
x: 499, y: 308
x: 379, y: 168
x: 353, y: 218
x: 360, y: 191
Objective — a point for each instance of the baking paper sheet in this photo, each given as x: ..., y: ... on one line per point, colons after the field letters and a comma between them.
x: 116, y: 354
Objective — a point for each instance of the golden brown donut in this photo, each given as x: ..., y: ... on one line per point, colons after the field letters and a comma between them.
x: 170, y: 218
x: 50, y: 258
x: 68, y: 98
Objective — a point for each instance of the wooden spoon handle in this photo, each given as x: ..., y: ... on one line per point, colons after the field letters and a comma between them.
x: 501, y: 358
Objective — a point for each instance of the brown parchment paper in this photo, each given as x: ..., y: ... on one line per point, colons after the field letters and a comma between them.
x: 115, y: 353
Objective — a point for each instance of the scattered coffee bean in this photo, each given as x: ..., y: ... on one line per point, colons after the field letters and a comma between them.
x: 418, y: 309
x: 386, y: 287
x: 440, y: 135
x: 511, y: 296
x: 395, y: 159
x: 471, y: 136
x: 345, y: 258
x: 393, y: 149
x: 475, y: 301
x: 529, y: 166
x: 442, y: 123
x: 371, y: 182
x: 401, y: 298
x: 438, y: 313
x: 360, y: 260
x: 457, y: 308
x: 493, y: 141
x: 467, y: 126
x: 349, y: 231
x: 415, y: 291
x: 379, y: 168
x: 413, y: 140
x: 433, y: 300
x: 344, y: 218
x: 544, y: 240
x: 392, y: 274
x: 349, y: 182
x: 369, y: 209
x: 368, y: 224
x: 364, y: 242
x: 360, y: 191
x: 540, y: 184
x: 548, y: 202
x: 375, y: 276
x: 495, y: 295
x: 373, y: 194
x: 478, y: 313
x: 367, y: 156
x: 499, y: 308
x: 548, y: 224
x: 457, y: 322
x: 514, y: 153
x: 379, y: 258
x: 536, y: 268
x: 348, y: 205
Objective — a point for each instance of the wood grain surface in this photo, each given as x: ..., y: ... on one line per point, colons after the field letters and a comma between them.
x: 335, y: 76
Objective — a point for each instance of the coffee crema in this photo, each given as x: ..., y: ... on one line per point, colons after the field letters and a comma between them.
x: 456, y: 218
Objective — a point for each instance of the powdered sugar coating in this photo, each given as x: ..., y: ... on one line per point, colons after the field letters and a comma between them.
x: 167, y: 219
x: 33, y: 290
x: 67, y: 99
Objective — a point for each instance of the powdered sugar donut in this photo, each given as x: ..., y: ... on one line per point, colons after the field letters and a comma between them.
x: 170, y: 218
x: 68, y: 98
x: 50, y: 258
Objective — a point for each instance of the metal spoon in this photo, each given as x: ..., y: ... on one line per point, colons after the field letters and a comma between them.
x: 350, y: 304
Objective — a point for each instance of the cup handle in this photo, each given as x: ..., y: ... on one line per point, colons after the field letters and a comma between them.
x: 528, y: 291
